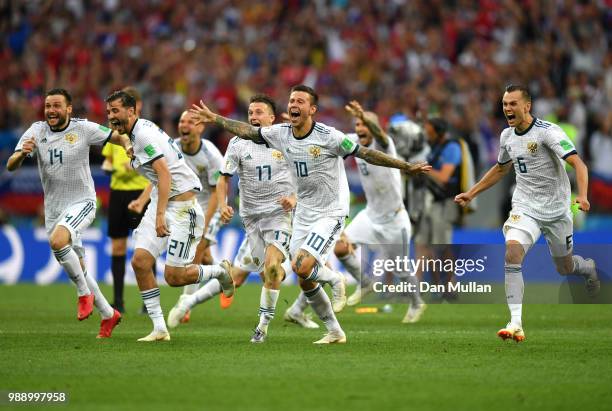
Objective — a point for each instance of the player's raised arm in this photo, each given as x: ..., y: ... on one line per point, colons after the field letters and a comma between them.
x: 370, y: 121
x: 243, y: 130
x: 16, y: 159
x: 495, y: 173
x: 378, y: 158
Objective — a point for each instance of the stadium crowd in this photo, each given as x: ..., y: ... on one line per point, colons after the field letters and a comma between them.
x: 451, y: 58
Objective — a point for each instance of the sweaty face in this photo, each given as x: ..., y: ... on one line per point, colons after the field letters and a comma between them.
x: 260, y: 114
x: 57, y: 111
x: 516, y: 108
x: 118, y: 115
x: 187, y: 128
x: 365, y: 137
x: 300, y: 108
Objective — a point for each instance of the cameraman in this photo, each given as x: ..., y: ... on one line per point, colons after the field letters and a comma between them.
x: 435, y: 226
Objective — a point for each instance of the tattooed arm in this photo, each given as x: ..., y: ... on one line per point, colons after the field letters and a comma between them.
x: 378, y: 158
x: 370, y: 120
x: 243, y: 130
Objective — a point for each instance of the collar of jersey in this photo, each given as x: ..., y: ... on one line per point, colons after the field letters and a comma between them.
x: 195, y: 152
x: 62, y: 129
x: 314, y: 123
x: 132, y: 129
x: 527, y: 130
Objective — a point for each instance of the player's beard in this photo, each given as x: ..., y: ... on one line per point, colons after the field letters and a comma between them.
x: 61, y: 122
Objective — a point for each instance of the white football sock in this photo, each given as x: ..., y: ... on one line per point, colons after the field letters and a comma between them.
x: 321, y: 305
x: 106, y: 311
x: 351, y: 263
x: 208, y: 291
x: 208, y: 272
x: 152, y: 302
x: 299, y: 305
x: 323, y: 274
x: 581, y: 267
x: 267, y: 306
x: 191, y: 288
x: 69, y: 260
x: 514, y: 291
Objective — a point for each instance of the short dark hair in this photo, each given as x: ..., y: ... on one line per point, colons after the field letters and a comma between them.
x: 519, y: 87
x: 264, y: 98
x: 127, y: 100
x: 439, y: 125
x: 133, y: 91
x: 314, y: 97
x: 61, y: 92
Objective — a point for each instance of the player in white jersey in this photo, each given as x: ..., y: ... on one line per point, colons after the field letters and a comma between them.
x: 314, y: 153
x: 541, y: 199
x: 61, y: 145
x: 385, y: 220
x: 204, y: 158
x: 173, y: 221
x: 266, y: 200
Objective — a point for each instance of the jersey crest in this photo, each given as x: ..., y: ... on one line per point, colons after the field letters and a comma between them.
x: 314, y: 151
x: 71, y: 138
x: 532, y: 147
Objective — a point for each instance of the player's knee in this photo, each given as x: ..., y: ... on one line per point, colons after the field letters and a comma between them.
x: 341, y: 249
x: 140, y: 264
x: 207, y: 259
x: 173, y: 277
x: 514, y: 253
x: 302, y: 270
x: 239, y: 279
x: 273, y: 272
x: 564, y: 266
x: 59, y: 239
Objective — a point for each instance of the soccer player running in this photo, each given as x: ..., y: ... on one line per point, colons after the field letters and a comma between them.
x: 541, y: 199
x: 126, y: 186
x: 173, y: 221
x: 61, y: 145
x: 266, y: 201
x: 384, y: 222
x: 314, y: 152
x: 204, y: 158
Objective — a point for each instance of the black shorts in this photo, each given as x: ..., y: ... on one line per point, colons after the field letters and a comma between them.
x: 120, y: 219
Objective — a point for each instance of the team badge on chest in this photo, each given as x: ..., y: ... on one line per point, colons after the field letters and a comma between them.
x: 277, y: 155
x: 314, y: 151
x: 532, y: 147
x: 71, y: 138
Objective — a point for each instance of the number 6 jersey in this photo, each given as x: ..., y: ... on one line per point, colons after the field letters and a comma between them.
x: 542, y: 186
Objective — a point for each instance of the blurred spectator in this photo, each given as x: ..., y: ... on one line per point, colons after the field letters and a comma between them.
x: 415, y: 57
x: 601, y: 165
x: 434, y: 229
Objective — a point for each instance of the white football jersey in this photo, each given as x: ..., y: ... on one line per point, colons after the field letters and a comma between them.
x: 316, y: 161
x: 63, y: 162
x: 542, y: 186
x: 264, y: 176
x: 206, y: 163
x: 382, y: 185
x: 150, y: 143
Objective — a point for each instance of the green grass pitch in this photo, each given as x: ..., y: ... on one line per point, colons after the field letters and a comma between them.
x: 450, y: 360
